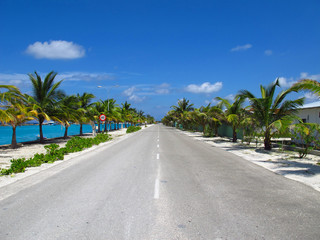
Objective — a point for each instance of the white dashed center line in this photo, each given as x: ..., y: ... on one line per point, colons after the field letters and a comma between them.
x: 156, y: 189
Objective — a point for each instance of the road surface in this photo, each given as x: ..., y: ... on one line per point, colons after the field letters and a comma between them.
x: 158, y: 184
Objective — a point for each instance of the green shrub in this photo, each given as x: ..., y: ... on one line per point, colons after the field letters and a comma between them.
x: 308, y: 136
x: 54, y: 153
x: 36, y: 161
x: 17, y: 165
x: 133, y: 129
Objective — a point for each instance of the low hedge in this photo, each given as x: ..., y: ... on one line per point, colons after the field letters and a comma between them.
x: 133, y: 129
x: 54, y: 153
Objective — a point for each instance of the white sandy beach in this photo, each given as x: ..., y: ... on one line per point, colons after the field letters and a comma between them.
x: 286, y: 163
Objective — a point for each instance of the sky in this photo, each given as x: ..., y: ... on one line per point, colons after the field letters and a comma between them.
x: 152, y: 53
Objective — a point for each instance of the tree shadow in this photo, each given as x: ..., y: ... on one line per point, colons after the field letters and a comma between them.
x: 305, y: 169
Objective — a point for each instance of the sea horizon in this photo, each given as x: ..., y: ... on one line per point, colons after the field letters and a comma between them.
x: 30, y: 132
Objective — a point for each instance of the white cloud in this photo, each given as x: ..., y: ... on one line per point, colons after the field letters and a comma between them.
x: 204, y: 87
x: 288, y: 82
x: 136, y: 98
x: 311, y: 96
x: 230, y: 97
x: 162, y: 89
x: 56, y: 50
x: 18, y: 78
x: 268, y: 52
x: 129, y: 91
x: 285, y: 82
x: 83, y: 76
x: 305, y: 75
x: 132, y: 96
x: 241, y: 48
x: 213, y: 101
x: 15, y: 79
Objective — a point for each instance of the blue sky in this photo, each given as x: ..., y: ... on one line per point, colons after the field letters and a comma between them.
x: 153, y: 53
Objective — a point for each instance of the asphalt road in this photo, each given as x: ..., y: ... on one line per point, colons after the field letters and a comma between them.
x: 158, y: 184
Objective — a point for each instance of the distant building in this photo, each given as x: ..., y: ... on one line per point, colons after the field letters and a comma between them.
x: 310, y: 113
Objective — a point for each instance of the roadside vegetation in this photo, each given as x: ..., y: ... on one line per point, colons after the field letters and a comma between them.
x: 54, y: 153
x: 267, y: 116
x: 132, y: 129
x: 49, y: 102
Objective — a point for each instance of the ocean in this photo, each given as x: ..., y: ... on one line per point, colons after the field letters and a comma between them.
x: 31, y: 132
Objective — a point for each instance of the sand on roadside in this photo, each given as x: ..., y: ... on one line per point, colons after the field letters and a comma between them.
x: 282, y: 162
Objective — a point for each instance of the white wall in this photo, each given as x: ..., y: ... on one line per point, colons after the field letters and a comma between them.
x: 310, y: 114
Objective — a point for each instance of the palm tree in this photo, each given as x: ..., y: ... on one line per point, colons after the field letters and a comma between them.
x: 45, y: 94
x: 109, y: 106
x: 15, y: 111
x: 215, y: 115
x: 170, y: 118
x: 85, y: 103
x: 98, y: 108
x: 141, y: 117
x: 181, y: 111
x: 234, y: 113
x: 201, y: 117
x: 150, y: 119
x: 117, y: 116
x: 67, y: 111
x: 126, y: 112
x: 273, y: 114
x: 183, y: 105
x: 307, y: 84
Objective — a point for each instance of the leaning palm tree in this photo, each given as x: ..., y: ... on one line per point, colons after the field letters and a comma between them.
x: 274, y: 113
x: 84, y: 103
x: 45, y: 94
x: 15, y: 111
x: 234, y: 113
x: 16, y: 115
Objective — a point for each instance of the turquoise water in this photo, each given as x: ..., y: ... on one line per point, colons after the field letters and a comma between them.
x: 29, y: 133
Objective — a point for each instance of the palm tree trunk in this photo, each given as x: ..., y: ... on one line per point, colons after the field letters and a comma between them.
x: 98, y: 126
x: 14, y: 138
x: 216, y: 128
x: 65, y: 131
x: 93, y: 126
x: 234, y: 135
x: 40, y: 130
x: 105, y: 126
x: 81, y: 133
x: 267, y: 141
